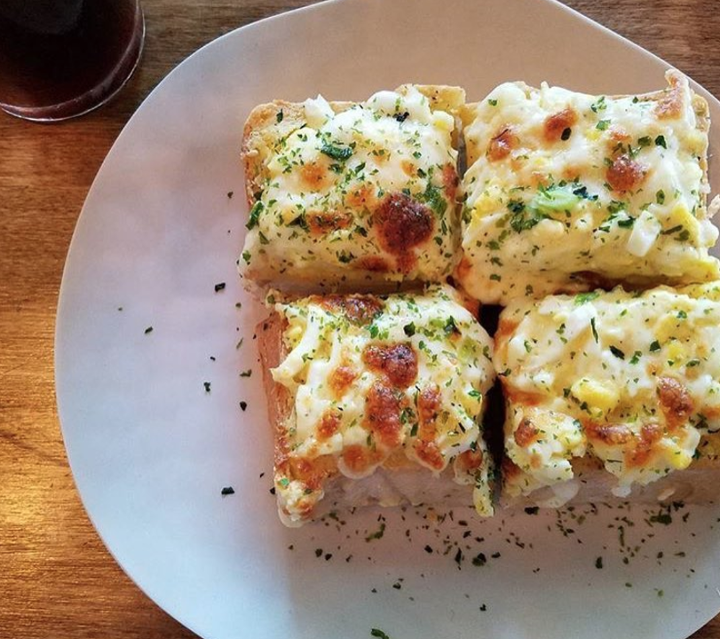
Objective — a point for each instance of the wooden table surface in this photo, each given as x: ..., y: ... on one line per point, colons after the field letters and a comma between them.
x: 56, y: 578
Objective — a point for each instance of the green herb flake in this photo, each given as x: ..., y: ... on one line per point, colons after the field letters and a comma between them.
x: 636, y: 357
x: 376, y: 632
x: 206, y: 385
x: 598, y: 105
x: 492, y: 102
x: 378, y: 534
x: 254, y: 216
x: 599, y: 563
x: 617, y: 352
x: 602, y: 125
x: 227, y: 490
x: 479, y: 559
x: 655, y: 346
x: 664, y: 518
x: 594, y: 330
x: 219, y: 287
x: 246, y: 373
x: 279, y: 116
x: 335, y: 151
x: 660, y: 141
x: 583, y: 298
x: 148, y: 330
x: 409, y: 329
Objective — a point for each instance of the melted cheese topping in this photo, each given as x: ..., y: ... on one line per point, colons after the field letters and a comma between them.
x: 368, y: 189
x: 568, y: 191
x: 382, y: 381
x: 632, y: 379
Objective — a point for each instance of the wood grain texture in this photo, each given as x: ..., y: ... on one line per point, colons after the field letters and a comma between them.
x: 56, y: 579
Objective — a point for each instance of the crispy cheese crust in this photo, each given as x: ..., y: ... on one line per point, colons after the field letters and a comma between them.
x: 624, y: 382
x: 362, y: 384
x: 566, y: 191
x: 347, y: 196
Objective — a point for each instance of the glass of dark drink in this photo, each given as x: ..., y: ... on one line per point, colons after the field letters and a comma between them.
x: 62, y: 58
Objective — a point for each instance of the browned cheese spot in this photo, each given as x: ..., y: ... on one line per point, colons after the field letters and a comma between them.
x: 450, y: 181
x: 329, y: 424
x: 526, y: 433
x: 610, y: 434
x: 502, y: 144
x: 341, y: 379
x: 323, y: 222
x: 359, y: 309
x: 625, y: 174
x: 469, y: 461
x: 314, y: 175
x: 675, y: 402
x: 408, y: 168
x: 382, y: 414
x: 639, y: 454
x: 429, y: 404
x: 510, y: 470
x: 557, y: 123
x: 670, y: 103
x: 361, y: 197
x: 398, y: 362
x: 312, y: 472
x: 359, y: 459
x: 402, y: 223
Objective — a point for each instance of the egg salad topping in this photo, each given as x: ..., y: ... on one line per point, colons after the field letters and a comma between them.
x: 368, y: 189
x: 629, y: 378
x: 567, y: 191
x: 390, y: 381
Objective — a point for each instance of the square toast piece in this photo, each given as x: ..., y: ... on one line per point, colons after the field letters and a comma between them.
x: 377, y: 400
x: 566, y: 192
x: 611, y: 394
x: 355, y: 197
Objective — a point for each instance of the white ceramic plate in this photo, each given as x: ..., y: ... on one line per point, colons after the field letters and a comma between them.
x: 151, y: 449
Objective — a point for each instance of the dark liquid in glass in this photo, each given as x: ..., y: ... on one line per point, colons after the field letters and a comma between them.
x: 60, y: 58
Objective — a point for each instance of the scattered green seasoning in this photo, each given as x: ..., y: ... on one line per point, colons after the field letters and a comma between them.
x: 376, y: 632
x: 220, y: 286
x: 246, y: 373
x: 206, y: 385
x: 599, y: 563
x: 228, y: 490
x: 148, y: 330
x: 660, y: 141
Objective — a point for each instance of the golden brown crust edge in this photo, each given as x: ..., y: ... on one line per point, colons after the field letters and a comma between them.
x: 272, y: 352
